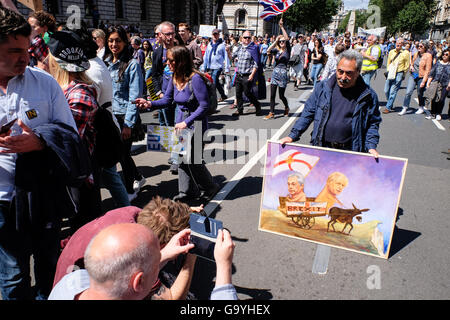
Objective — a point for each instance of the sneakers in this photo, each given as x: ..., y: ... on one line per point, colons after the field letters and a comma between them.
x: 269, y: 116
x: 137, y: 185
x: 132, y: 196
x: 401, y: 113
x: 173, y: 168
x: 438, y: 117
x: 420, y: 110
x: 386, y: 111
x: 183, y: 197
x: 208, y: 195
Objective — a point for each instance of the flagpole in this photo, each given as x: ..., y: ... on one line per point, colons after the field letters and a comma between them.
x: 257, y: 19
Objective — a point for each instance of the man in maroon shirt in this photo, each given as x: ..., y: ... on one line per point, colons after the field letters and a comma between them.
x: 163, y: 216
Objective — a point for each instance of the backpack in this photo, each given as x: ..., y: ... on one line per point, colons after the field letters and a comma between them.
x: 212, y: 94
x: 109, y: 147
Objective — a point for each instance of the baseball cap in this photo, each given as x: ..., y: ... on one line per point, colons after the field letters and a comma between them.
x: 67, y: 48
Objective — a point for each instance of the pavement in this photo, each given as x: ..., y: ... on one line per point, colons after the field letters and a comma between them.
x: 270, y: 266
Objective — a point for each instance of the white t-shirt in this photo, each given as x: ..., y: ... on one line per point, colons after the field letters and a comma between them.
x: 99, y: 73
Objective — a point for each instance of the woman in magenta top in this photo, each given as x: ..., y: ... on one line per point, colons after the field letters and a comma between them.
x: 189, y: 92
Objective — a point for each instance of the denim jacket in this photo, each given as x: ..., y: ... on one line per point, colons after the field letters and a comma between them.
x: 127, y: 90
x: 365, y: 123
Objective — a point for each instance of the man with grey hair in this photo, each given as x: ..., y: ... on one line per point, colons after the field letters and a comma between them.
x: 344, y: 110
x: 296, y: 183
x: 371, y: 57
x: 397, y: 65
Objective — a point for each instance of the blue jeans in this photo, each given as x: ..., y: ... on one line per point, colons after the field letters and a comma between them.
x: 215, y: 76
x: 315, y: 71
x: 264, y: 59
x: 391, y: 88
x: 412, y: 83
x: 112, y: 181
x: 367, y: 76
x: 16, y: 248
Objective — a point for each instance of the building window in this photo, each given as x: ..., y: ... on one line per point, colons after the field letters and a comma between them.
x: 119, y: 9
x: 241, y: 17
x: 143, y: 9
x: 53, y: 7
x: 89, y: 7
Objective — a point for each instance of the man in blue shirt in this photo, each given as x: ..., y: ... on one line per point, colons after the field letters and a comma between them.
x: 35, y: 99
x: 215, y: 59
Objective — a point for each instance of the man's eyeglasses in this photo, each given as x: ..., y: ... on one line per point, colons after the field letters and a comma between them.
x: 247, y: 37
x: 168, y: 34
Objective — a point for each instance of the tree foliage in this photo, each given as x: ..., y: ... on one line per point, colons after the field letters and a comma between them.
x: 405, y: 15
x: 312, y: 15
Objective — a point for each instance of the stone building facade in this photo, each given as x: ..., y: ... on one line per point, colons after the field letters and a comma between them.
x: 440, y: 26
x: 334, y: 25
x: 144, y: 14
x: 244, y: 15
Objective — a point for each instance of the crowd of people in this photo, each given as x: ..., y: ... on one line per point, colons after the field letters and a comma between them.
x: 63, y: 91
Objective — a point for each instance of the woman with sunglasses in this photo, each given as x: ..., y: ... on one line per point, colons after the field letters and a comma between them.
x: 438, y: 85
x: 420, y: 69
x: 188, y: 91
x: 127, y: 86
x: 280, y: 76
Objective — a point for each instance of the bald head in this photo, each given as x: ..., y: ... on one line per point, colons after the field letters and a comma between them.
x: 117, y: 254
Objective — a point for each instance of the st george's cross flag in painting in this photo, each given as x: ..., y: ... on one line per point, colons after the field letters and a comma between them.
x: 274, y: 7
x: 294, y: 161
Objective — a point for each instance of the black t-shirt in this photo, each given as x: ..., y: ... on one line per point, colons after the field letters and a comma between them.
x: 343, y: 102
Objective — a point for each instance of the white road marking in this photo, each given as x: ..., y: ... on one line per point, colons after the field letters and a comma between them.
x: 223, y: 193
x: 438, y: 125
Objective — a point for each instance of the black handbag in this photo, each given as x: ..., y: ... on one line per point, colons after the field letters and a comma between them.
x: 294, y: 60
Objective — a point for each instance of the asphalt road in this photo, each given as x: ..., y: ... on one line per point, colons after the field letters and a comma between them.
x: 269, y: 266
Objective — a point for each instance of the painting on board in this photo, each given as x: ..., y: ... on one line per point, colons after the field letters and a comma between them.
x: 339, y: 198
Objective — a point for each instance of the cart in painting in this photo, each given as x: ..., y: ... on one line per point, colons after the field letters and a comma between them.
x: 303, y: 213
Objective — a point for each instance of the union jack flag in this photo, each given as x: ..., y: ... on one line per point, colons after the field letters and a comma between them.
x: 274, y: 7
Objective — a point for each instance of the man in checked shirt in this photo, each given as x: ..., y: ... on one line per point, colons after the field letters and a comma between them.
x: 247, y: 68
x: 41, y: 22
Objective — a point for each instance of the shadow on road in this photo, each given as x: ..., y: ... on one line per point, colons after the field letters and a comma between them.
x: 401, y: 238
